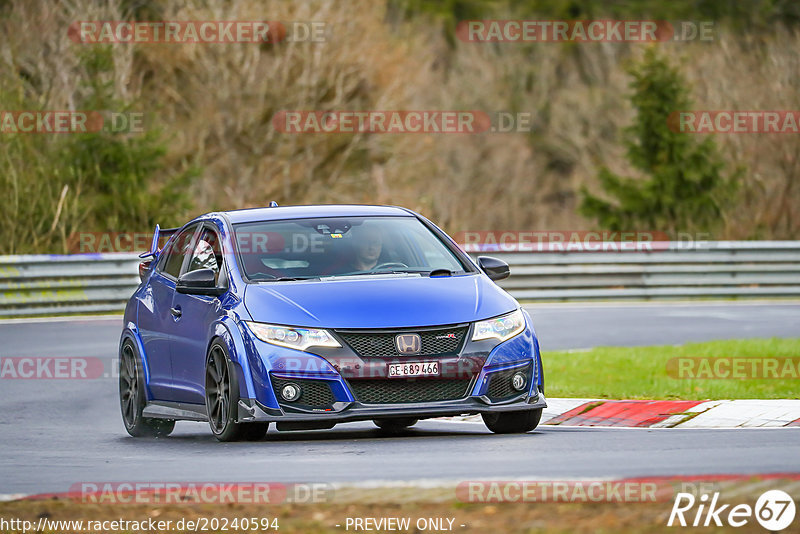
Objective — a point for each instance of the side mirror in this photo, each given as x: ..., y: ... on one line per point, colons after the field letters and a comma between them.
x: 143, y: 268
x: 199, y: 282
x: 495, y: 269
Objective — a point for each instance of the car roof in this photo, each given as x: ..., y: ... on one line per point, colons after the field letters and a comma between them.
x: 321, y: 210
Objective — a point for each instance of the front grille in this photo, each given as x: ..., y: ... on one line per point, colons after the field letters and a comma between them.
x: 500, y: 387
x: 405, y: 390
x: 435, y: 342
x: 315, y: 394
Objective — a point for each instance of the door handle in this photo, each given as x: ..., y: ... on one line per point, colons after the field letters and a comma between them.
x: 176, y: 312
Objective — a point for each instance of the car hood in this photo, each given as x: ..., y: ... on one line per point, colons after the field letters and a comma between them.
x: 378, y: 302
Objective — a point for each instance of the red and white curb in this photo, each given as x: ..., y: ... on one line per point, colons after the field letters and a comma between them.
x: 746, y: 413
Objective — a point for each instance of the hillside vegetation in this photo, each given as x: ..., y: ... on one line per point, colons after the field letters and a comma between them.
x: 209, y: 143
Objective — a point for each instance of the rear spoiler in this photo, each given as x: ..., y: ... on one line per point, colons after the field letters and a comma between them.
x: 157, y: 234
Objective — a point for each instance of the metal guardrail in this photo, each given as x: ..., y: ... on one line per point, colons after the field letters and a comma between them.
x: 722, y: 269
x: 55, y: 285
x: 95, y: 283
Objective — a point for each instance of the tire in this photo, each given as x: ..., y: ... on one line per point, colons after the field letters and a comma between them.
x: 221, y: 395
x: 222, y: 399
x: 395, y: 425
x: 132, y: 397
x: 512, y: 422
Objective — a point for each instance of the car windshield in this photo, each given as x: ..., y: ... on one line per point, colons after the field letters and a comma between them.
x: 341, y: 246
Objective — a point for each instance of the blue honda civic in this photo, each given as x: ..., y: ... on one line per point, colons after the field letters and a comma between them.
x: 308, y: 316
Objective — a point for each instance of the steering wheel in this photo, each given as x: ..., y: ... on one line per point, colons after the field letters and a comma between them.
x: 390, y: 264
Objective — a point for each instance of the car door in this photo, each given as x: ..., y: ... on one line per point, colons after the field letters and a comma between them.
x: 197, y: 312
x: 156, y: 321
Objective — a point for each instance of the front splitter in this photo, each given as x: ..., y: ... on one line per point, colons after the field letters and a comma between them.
x: 251, y: 410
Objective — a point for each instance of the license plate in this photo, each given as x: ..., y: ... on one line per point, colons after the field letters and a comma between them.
x: 413, y: 369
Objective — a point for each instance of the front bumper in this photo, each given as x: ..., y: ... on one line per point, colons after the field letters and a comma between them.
x: 345, y: 384
x: 251, y: 410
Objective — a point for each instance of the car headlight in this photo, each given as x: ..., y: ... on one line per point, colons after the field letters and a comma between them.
x: 502, y: 328
x: 292, y: 337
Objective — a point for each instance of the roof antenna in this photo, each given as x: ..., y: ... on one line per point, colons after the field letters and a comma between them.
x: 273, y: 204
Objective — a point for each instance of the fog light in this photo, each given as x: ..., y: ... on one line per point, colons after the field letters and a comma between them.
x: 518, y: 381
x: 290, y: 392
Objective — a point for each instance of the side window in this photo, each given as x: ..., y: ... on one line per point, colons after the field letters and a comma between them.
x: 170, y: 264
x: 207, y: 253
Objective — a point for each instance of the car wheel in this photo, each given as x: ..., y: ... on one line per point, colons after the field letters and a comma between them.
x: 132, y: 398
x: 222, y: 395
x: 395, y: 425
x: 512, y: 422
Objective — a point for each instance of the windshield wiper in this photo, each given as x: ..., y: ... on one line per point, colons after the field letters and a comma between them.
x: 288, y: 278
x: 400, y: 271
x: 425, y: 272
x: 422, y: 272
x: 372, y: 273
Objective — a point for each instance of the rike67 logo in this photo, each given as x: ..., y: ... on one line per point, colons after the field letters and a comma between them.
x: 774, y: 510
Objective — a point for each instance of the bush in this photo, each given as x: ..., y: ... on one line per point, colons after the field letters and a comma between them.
x: 56, y: 185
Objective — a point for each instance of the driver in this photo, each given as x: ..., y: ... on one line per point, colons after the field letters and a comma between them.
x: 368, y: 244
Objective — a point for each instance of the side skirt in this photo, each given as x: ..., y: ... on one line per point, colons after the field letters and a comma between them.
x: 175, y: 410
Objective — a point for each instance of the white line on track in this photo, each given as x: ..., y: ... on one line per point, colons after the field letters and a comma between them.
x: 544, y: 426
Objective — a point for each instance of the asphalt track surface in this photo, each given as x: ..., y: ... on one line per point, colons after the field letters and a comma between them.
x: 56, y: 433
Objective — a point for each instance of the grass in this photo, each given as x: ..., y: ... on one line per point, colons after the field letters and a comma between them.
x: 643, y: 373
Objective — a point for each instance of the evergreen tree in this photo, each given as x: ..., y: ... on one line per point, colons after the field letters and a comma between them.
x: 686, y: 187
